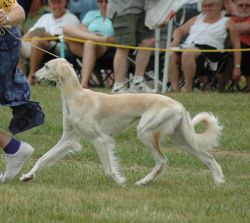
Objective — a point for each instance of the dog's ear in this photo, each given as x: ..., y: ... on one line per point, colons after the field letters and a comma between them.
x: 61, y: 70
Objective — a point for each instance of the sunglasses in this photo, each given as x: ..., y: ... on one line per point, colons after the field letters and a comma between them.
x: 103, y: 1
x: 243, y: 5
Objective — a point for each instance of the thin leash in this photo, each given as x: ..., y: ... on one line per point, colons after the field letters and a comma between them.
x: 3, y: 31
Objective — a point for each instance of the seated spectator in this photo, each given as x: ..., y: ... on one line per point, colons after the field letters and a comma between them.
x: 93, y: 28
x: 50, y: 24
x: 81, y: 7
x: 208, y: 30
x: 37, y: 9
x: 230, y: 7
x: 242, y: 21
x: 128, y: 21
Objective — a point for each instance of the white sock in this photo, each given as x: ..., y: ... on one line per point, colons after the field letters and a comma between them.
x: 138, y: 79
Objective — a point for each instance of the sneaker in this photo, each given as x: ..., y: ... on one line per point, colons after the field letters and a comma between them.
x: 16, y: 161
x: 120, y: 90
x: 141, y: 87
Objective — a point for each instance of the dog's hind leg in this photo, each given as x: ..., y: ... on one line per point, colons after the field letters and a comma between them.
x: 212, y: 165
x: 204, y: 156
x: 152, y: 126
x: 105, y: 147
x: 67, y: 143
x: 152, y: 140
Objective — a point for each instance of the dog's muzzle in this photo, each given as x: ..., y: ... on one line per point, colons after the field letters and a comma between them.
x: 36, y: 77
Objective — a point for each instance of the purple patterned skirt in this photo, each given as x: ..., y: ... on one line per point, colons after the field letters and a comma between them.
x: 14, y: 88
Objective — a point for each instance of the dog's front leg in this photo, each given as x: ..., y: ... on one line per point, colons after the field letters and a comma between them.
x: 105, y: 147
x: 64, y: 146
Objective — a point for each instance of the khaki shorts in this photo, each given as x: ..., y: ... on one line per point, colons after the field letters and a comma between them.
x: 130, y: 29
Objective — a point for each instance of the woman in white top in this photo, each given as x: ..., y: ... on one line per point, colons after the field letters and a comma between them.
x: 205, y: 31
x: 50, y: 24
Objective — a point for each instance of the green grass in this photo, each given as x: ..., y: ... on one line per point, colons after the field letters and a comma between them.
x: 75, y: 188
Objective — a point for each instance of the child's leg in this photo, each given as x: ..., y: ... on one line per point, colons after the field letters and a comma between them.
x: 16, y: 155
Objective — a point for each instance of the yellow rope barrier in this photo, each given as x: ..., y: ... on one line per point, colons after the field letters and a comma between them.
x: 134, y: 47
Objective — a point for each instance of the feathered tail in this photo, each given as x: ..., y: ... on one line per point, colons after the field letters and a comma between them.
x: 212, y: 133
x: 188, y: 139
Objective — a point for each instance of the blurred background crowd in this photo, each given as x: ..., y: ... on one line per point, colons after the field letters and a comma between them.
x: 199, y: 24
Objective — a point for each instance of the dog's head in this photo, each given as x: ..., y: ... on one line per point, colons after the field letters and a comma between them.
x: 54, y: 70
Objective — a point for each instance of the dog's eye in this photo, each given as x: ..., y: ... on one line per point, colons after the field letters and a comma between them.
x: 46, y: 67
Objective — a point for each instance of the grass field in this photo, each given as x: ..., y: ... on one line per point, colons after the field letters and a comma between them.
x: 75, y: 188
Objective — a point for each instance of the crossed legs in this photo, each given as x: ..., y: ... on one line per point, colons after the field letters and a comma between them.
x: 88, y: 51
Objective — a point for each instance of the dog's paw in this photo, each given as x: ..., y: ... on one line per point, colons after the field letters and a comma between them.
x: 26, y: 177
x: 118, y: 179
x: 121, y: 181
x: 219, y: 181
x: 141, y: 183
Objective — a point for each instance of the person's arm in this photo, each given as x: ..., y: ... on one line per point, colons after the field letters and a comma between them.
x: 83, y: 27
x: 235, y: 42
x: 182, y: 31
x: 243, y: 28
x: 13, y: 17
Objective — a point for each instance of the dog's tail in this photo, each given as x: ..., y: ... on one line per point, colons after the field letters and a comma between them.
x: 189, y: 139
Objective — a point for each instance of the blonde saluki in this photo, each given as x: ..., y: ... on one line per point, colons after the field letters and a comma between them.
x: 97, y: 116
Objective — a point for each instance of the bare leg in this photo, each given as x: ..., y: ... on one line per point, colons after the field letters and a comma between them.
x: 90, y: 54
x: 188, y: 65
x: 120, y: 64
x: 142, y: 57
x: 173, y: 71
x: 36, y: 56
x: 76, y: 48
x: 4, y: 139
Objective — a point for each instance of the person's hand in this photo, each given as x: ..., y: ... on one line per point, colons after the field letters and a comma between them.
x: 105, y: 39
x: 47, y: 34
x: 3, y: 21
x: 236, y: 74
x: 110, y: 39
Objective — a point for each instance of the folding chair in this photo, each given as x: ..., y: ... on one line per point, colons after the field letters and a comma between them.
x: 211, y: 70
x: 228, y: 84
x: 219, y: 73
